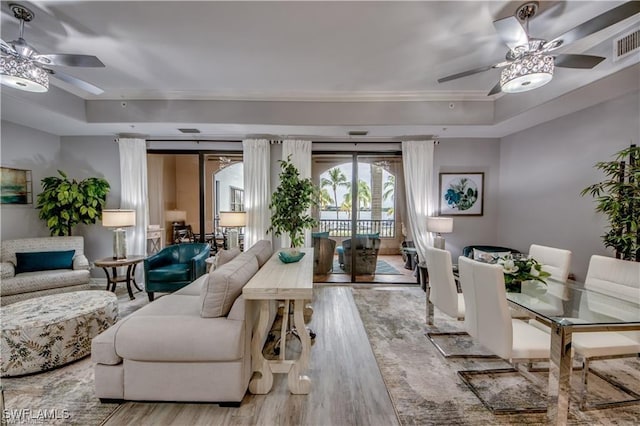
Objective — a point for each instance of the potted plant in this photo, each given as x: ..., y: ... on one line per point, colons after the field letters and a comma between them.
x: 618, y: 197
x: 290, y: 204
x: 65, y: 203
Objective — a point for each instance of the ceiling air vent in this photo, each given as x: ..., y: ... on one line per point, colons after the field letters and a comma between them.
x: 189, y: 130
x: 358, y: 133
x: 625, y: 45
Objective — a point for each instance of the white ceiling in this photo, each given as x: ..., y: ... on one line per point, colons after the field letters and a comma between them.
x: 352, y: 55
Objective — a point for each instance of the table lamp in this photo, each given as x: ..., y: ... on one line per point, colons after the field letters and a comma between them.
x: 176, y: 217
x: 439, y: 225
x: 119, y: 219
x: 232, y: 220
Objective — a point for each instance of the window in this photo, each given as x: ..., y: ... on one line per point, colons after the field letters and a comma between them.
x: 237, y: 199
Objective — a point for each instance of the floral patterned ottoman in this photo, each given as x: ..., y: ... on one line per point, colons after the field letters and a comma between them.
x: 49, y: 331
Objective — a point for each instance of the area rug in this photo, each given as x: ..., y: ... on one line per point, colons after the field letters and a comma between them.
x: 64, y: 395
x: 382, y: 268
x: 426, y: 389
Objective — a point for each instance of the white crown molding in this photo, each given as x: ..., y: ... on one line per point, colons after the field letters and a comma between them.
x: 301, y: 96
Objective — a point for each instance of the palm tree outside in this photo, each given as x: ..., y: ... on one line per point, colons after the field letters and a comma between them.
x: 336, y: 179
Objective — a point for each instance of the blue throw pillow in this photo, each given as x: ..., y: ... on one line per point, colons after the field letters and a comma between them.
x: 44, y: 261
x: 320, y: 234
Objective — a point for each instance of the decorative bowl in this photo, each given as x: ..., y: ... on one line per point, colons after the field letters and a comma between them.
x: 287, y: 257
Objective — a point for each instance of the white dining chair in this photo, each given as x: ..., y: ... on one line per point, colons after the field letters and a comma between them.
x: 620, y: 278
x: 553, y: 260
x: 443, y: 293
x: 489, y: 321
x: 556, y: 262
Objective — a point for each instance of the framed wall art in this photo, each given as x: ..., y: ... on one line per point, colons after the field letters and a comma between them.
x: 461, y: 194
x: 15, y: 186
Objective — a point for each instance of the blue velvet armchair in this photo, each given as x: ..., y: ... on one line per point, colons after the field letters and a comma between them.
x: 174, y: 267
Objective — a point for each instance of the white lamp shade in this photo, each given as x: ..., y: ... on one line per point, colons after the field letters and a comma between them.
x: 118, y: 218
x: 175, y: 216
x: 231, y: 219
x: 442, y: 225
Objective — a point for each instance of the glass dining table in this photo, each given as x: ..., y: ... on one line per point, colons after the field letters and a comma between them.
x: 567, y: 308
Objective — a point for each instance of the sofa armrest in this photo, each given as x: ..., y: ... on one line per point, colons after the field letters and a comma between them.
x: 7, y: 270
x: 81, y: 262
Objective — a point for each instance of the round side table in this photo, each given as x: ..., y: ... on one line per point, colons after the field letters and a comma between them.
x: 112, y: 276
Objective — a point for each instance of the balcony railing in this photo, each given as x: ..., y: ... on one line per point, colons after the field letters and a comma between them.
x: 342, y: 227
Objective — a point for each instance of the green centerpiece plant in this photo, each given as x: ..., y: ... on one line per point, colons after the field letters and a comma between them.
x: 521, y: 268
x: 290, y: 204
x: 65, y: 203
x: 618, y: 197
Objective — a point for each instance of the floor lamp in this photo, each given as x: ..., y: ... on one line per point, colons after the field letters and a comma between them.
x: 118, y: 220
x: 439, y: 225
x: 233, y: 221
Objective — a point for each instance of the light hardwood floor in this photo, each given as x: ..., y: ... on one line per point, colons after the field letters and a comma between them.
x: 347, y: 387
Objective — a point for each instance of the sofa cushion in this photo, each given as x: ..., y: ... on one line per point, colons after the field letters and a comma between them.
x: 170, y: 273
x: 36, y: 281
x: 488, y: 256
x: 262, y: 250
x: 176, y: 319
x: 44, y: 260
x: 194, y: 288
x: 225, y: 285
x: 226, y: 256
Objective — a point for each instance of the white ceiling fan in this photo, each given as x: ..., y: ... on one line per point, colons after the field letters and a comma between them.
x: 529, y: 63
x: 23, y: 67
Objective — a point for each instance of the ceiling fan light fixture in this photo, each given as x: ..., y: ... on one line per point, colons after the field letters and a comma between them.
x: 21, y: 73
x: 527, y: 73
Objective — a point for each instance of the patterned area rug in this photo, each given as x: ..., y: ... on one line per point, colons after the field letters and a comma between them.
x: 382, y: 268
x: 416, y: 374
x: 64, y: 395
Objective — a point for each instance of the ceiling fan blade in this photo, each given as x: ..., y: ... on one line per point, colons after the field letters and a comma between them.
x: 69, y: 60
x: 67, y: 78
x: 511, y: 32
x: 496, y: 89
x: 596, y: 24
x: 465, y: 73
x: 7, y: 48
x: 577, y: 61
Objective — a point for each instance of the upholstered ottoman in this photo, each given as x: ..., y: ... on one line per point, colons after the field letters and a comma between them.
x: 49, y: 331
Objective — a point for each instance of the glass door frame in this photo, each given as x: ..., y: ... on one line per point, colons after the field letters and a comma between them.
x: 354, y: 155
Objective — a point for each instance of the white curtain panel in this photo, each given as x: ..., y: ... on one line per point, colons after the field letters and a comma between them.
x: 257, y: 189
x: 300, y: 151
x: 417, y: 160
x: 133, y: 191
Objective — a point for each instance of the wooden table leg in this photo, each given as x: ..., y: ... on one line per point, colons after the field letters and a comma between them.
x: 133, y: 277
x: 262, y: 379
x: 129, y: 268
x: 106, y: 271
x: 299, y: 383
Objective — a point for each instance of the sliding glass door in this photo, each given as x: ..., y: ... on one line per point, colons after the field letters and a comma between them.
x: 359, y: 211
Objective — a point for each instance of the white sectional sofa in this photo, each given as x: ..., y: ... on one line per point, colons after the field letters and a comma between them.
x: 38, y: 256
x: 192, y: 345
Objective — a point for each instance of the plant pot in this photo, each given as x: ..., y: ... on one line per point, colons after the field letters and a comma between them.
x: 514, y: 287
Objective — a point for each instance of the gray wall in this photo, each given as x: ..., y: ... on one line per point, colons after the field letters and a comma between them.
x: 85, y: 156
x: 543, y: 169
x: 79, y: 158
x: 26, y: 148
x: 470, y: 155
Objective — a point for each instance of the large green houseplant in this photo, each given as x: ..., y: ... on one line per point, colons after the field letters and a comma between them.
x: 65, y: 203
x: 290, y: 204
x: 618, y: 197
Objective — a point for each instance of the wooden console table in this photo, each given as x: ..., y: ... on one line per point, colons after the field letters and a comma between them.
x: 288, y: 282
